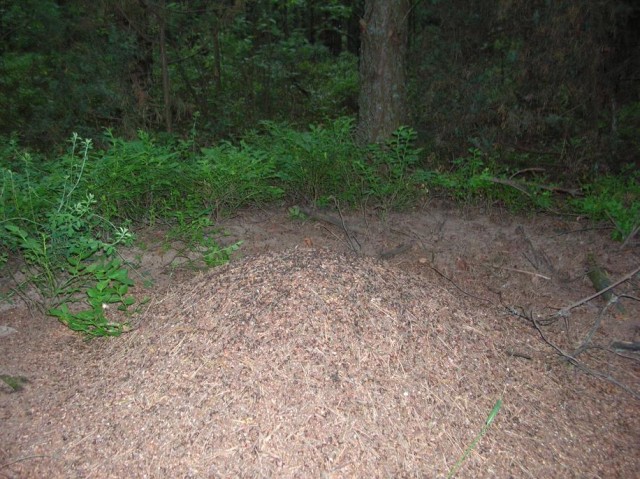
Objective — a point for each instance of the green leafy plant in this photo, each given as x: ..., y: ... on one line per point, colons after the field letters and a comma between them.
x: 189, y: 230
x: 615, y: 199
x: 314, y: 165
x: 478, y: 176
x: 197, y: 235
x: 107, y: 283
x: 142, y: 179
x: 296, y: 214
x: 16, y: 383
x: 389, y: 175
x: 471, y: 177
x: 67, y: 250
x: 216, y: 255
x: 229, y: 177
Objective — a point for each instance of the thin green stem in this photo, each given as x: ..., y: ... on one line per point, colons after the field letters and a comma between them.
x: 473, y: 445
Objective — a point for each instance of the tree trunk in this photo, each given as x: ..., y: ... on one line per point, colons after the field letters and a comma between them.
x: 217, y: 60
x: 382, y: 102
x: 134, y: 16
x: 166, y: 88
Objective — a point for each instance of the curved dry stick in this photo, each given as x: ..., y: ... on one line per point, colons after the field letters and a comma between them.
x: 572, y: 360
x: 627, y: 277
x: 630, y: 237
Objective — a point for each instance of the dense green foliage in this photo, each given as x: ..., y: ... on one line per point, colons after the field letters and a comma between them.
x: 86, y: 66
x: 68, y: 251
x: 551, y: 84
x: 615, y: 199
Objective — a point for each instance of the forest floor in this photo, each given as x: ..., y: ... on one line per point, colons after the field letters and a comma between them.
x: 316, y: 353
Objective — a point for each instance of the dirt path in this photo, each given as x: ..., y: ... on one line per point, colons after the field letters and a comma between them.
x: 317, y: 353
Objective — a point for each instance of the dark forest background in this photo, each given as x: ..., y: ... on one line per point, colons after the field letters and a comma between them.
x: 546, y: 82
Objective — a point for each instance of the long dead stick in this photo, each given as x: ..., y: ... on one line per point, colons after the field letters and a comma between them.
x: 627, y: 277
x: 581, y: 366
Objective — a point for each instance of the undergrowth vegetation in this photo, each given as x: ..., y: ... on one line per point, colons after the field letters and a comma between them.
x: 63, y: 220
x: 68, y: 251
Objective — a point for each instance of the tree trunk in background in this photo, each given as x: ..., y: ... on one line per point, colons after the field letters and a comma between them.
x: 166, y: 88
x: 217, y: 60
x: 382, y: 101
x: 136, y: 16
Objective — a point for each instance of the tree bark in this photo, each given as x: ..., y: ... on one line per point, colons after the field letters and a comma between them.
x: 382, y: 101
x: 166, y: 87
x: 217, y: 60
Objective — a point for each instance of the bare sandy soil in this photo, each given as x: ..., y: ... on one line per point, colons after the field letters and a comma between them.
x: 353, y: 346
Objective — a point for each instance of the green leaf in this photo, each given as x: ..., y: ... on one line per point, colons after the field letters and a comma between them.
x: 62, y: 312
x: 94, y: 293
x: 122, y: 276
x: 126, y: 302
x: 494, y: 412
x: 16, y: 231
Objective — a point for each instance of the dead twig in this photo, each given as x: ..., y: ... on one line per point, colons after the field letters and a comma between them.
x: 565, y: 311
x: 517, y: 354
x: 525, y: 187
x: 527, y: 170
x: 572, y: 360
x: 518, y: 271
x: 630, y: 237
x: 589, y: 336
x: 539, y: 259
x: 459, y: 288
x: 628, y: 296
x: 626, y: 346
x: 512, y: 184
x: 396, y: 251
x: 24, y: 458
x: 353, y: 242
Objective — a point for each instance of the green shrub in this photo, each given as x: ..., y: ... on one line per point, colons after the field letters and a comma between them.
x: 67, y: 250
x: 313, y: 165
x: 196, y: 234
x: 324, y: 164
x: 478, y: 176
x: 389, y: 173
x: 229, y: 177
x: 615, y: 199
x: 141, y: 180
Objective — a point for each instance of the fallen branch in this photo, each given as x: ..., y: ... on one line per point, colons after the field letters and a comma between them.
x: 535, y: 169
x: 626, y: 346
x: 565, y: 311
x: 525, y: 187
x: 351, y: 237
x: 572, y: 360
x: 518, y: 271
x: 353, y: 242
x: 630, y: 237
x: 539, y: 260
x: 600, y: 280
x: 396, y: 251
x: 512, y: 184
x: 458, y: 287
x: 592, y: 332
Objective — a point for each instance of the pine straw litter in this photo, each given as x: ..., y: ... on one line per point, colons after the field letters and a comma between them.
x: 309, y: 363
